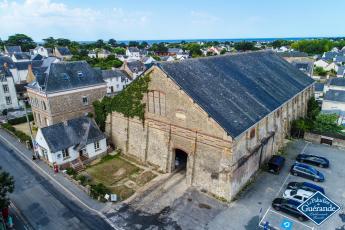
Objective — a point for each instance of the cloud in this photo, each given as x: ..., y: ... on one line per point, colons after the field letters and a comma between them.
x: 43, y: 18
x: 200, y: 17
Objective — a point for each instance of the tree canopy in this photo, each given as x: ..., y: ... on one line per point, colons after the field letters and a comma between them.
x: 22, y: 40
x: 6, y: 187
x: 317, y: 46
x: 244, y: 46
x: 327, y: 123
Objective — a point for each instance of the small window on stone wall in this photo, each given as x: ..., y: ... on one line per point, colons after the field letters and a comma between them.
x: 156, y: 102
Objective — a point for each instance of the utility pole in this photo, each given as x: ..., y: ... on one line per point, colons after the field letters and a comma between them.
x: 29, y: 125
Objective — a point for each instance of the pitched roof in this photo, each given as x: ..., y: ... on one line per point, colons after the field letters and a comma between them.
x: 175, y: 50
x: 13, y: 49
x: 136, y: 66
x: 76, y: 132
x: 21, y: 56
x: 293, y: 54
x: 63, y: 76
x: 335, y: 95
x: 8, y: 61
x: 337, y: 81
x: 115, y: 73
x: 341, y: 70
x: 239, y: 90
x: 133, y: 49
x: 319, y: 87
x: 306, y: 67
x: 64, y: 51
x: 23, y: 65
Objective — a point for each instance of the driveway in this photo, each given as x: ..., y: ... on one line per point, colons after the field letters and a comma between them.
x: 254, y: 205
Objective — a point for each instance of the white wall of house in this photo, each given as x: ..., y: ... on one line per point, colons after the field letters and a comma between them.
x: 8, y: 94
x: 134, y: 55
x: 92, y: 152
x: 333, y: 105
x: 321, y: 63
x: 115, y: 85
x: 41, y: 51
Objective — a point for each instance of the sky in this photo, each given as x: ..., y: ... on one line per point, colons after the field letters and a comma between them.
x: 88, y: 20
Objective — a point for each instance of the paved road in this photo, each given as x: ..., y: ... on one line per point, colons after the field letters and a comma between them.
x: 43, y: 204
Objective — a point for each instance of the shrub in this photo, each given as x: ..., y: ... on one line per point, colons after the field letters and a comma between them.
x: 71, y: 171
x: 22, y: 136
x: 83, y: 179
x: 99, y: 190
x: 20, y: 120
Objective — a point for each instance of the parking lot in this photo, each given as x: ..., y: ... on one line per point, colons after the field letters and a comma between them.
x: 253, y: 208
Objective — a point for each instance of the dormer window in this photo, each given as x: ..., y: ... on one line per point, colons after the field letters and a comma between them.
x: 80, y: 74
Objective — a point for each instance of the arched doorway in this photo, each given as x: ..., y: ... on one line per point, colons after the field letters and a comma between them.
x: 181, y: 158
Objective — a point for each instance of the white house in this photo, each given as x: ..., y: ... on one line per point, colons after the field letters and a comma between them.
x: 71, y: 142
x: 44, y: 52
x: 167, y: 58
x: 103, y: 53
x: 319, y: 91
x: 334, y: 102
x: 133, y: 53
x: 92, y: 54
x: 332, y: 66
x: 8, y: 94
x: 148, y: 60
x: 20, y: 57
x: 116, y: 80
x: 321, y: 63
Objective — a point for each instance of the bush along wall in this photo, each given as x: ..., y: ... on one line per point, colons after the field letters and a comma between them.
x: 20, y: 120
x: 128, y: 102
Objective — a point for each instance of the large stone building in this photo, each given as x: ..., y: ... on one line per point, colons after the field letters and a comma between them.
x: 64, y: 90
x: 225, y: 116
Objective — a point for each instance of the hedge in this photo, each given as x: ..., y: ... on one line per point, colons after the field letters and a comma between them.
x: 20, y: 120
x: 21, y: 135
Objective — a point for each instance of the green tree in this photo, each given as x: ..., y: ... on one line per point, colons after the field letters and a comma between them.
x: 22, y: 40
x: 50, y: 42
x: 1, y: 44
x: 223, y: 51
x: 112, y: 42
x: 244, y: 46
x: 100, y: 44
x: 6, y: 187
x: 133, y: 44
x: 160, y: 47
x: 280, y: 43
x: 319, y: 71
x: 327, y: 123
x: 194, y: 49
x: 119, y: 50
x: 313, y: 109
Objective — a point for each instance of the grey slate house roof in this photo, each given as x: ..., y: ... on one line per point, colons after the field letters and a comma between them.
x: 335, y: 95
x: 22, y: 56
x: 340, y: 59
x: 64, y: 76
x: 133, y: 49
x: 337, y: 81
x: 115, y: 73
x: 136, y: 66
x: 175, y: 50
x: 238, y: 90
x: 7, y: 60
x: 77, y: 132
x: 13, y: 49
x: 23, y: 65
x: 319, y: 87
x: 305, y: 67
x: 329, y: 56
x: 293, y: 54
x: 64, y: 51
x: 341, y: 71
x: 37, y: 57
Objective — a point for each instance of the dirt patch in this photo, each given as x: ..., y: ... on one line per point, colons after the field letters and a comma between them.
x: 122, y: 191
x: 119, y: 172
x: 145, y: 177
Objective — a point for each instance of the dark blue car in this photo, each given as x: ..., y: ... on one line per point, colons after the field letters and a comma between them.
x: 314, y: 160
x: 305, y: 186
x: 306, y: 171
x: 288, y: 206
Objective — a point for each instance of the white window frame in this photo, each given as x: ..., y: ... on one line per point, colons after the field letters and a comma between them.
x: 5, y: 88
x: 87, y: 100
x: 96, y: 145
x: 65, y: 154
x: 8, y: 100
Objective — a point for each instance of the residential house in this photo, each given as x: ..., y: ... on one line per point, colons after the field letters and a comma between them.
x: 167, y: 58
x: 329, y: 56
x: 134, y: 68
x: 116, y: 80
x: 332, y: 66
x: 175, y: 51
x: 214, y: 50
x: 37, y: 57
x: 44, y: 52
x: 63, y: 53
x: 305, y: 67
x: 133, y: 53
x: 335, y: 84
x: 92, y: 54
x: 340, y: 60
x: 8, y: 95
x: 321, y: 63
x: 63, y: 91
x: 20, y: 57
x: 22, y: 69
x: 319, y: 91
x: 224, y: 129
x: 341, y: 71
x: 334, y: 102
x: 283, y: 49
x: 103, y: 53
x: 9, y: 50
x: 71, y: 142
x: 147, y: 60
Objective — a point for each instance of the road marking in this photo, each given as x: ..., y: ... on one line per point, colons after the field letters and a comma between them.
x: 264, y: 216
x: 58, y: 183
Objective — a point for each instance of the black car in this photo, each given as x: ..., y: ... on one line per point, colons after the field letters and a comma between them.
x: 313, y: 160
x: 290, y: 207
x: 275, y: 164
x: 306, y: 171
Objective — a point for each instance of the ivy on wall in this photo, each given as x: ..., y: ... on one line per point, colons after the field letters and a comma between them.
x: 128, y: 102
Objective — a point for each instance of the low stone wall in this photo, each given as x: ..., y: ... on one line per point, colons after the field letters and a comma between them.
x: 316, y: 138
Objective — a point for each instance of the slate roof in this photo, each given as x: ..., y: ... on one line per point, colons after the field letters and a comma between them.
x: 133, y: 49
x: 293, y: 54
x: 37, y: 57
x: 340, y: 59
x: 306, y: 67
x: 115, y: 73
x: 335, y: 95
x: 23, y: 65
x: 76, y: 132
x: 337, y: 81
x: 13, y: 49
x: 21, y: 56
x: 175, y: 50
x: 319, y: 87
x: 8, y: 61
x: 341, y: 70
x: 63, y: 76
x: 238, y: 90
x: 64, y: 51
x: 136, y: 66
x: 329, y: 56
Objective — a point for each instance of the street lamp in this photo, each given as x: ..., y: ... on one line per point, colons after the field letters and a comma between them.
x: 22, y: 104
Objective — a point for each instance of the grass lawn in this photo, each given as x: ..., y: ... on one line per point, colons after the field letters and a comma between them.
x: 111, y: 171
x: 25, y: 128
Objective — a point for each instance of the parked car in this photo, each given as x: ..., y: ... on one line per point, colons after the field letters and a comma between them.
x: 305, y: 186
x: 275, y: 164
x: 314, y: 160
x: 299, y: 195
x: 288, y: 206
x: 306, y: 171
